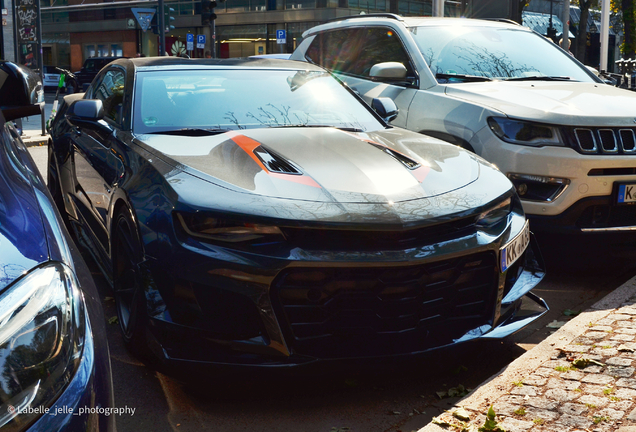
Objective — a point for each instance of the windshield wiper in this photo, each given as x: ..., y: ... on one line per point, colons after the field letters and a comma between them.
x: 539, y: 78
x: 192, y: 132
x: 346, y: 129
x: 465, y: 78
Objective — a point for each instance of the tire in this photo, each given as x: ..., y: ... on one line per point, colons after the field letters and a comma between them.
x: 53, y: 182
x: 130, y: 299
x: 72, y: 86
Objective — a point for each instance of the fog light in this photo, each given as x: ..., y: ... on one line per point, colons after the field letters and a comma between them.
x: 522, y: 188
x: 538, y: 188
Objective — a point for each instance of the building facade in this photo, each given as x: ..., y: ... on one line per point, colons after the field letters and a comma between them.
x: 73, y: 30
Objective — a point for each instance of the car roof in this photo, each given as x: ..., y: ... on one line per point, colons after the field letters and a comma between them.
x: 172, y: 63
x: 371, y: 19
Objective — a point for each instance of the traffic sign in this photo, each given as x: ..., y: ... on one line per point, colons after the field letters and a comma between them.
x: 144, y: 16
x: 281, y: 36
x: 189, y: 41
x: 201, y: 41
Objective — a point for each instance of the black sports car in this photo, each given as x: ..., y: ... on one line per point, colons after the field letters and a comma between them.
x: 255, y: 212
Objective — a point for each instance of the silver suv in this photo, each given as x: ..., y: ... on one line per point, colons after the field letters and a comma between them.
x: 565, y: 139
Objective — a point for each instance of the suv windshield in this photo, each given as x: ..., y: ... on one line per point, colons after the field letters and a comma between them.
x: 244, y: 99
x: 493, y: 53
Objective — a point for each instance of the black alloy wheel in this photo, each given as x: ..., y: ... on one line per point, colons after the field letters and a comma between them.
x: 129, y: 294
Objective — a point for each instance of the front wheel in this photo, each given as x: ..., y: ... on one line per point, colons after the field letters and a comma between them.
x: 129, y: 293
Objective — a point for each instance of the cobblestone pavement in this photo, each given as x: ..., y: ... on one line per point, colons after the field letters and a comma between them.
x: 581, y: 379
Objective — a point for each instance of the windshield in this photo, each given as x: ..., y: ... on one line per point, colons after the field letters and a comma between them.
x: 493, y: 53
x: 231, y: 99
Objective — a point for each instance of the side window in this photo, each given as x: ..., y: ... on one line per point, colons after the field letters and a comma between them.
x: 111, y: 92
x: 334, y: 50
x: 355, y: 51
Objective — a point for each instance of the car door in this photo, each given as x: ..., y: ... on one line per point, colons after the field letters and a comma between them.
x: 351, y: 52
x: 97, y: 163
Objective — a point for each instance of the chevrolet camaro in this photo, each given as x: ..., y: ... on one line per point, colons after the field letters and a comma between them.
x: 256, y: 212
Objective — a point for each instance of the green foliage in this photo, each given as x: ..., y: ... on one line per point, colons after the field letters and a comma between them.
x: 491, y: 425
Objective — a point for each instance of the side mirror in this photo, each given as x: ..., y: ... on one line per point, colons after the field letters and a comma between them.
x: 385, y: 107
x: 388, y: 71
x: 87, y: 113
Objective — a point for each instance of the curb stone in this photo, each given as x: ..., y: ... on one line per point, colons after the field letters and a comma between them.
x: 567, y: 401
x: 34, y: 138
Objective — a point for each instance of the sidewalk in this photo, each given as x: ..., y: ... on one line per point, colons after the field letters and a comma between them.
x: 579, y: 379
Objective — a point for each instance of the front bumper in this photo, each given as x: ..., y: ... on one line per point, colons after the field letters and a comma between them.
x: 587, y: 178
x: 258, y: 302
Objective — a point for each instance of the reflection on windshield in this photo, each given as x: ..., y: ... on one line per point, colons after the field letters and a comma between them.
x: 243, y: 99
x: 493, y: 53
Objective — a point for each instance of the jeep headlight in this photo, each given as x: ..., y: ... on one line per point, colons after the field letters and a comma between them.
x: 525, y: 133
x: 41, y: 339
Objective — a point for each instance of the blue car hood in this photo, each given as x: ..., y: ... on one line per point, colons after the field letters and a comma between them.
x: 23, y: 243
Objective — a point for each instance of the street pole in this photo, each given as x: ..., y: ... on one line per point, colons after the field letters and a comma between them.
x: 604, y: 33
x: 161, y: 23
x: 438, y: 8
x: 213, y: 24
x: 565, y: 37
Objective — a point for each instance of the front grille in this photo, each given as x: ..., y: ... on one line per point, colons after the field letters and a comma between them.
x: 364, y: 311
x: 608, y: 141
x: 607, y: 216
x: 360, y: 240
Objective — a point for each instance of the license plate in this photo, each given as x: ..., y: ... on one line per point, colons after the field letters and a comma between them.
x: 626, y: 193
x: 514, y: 249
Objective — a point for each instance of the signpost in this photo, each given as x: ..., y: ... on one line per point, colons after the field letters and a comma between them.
x: 144, y: 17
x: 201, y: 41
x: 189, y: 41
x: 281, y: 37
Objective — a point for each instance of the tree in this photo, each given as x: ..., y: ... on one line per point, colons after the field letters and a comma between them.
x: 580, y: 43
x: 521, y: 5
x: 628, y: 49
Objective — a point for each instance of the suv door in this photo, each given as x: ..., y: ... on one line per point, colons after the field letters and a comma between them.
x: 97, y: 165
x: 351, y: 52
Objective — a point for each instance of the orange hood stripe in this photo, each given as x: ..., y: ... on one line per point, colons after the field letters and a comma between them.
x: 248, y: 145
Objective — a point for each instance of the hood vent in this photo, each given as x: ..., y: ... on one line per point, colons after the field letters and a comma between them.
x: 274, y: 162
x: 406, y: 161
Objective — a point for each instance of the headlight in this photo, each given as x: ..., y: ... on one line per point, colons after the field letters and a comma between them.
x: 41, y: 339
x: 525, y: 133
x: 225, y: 230
x: 494, y: 215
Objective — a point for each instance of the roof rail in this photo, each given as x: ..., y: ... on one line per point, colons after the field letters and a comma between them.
x: 371, y: 15
x: 503, y: 20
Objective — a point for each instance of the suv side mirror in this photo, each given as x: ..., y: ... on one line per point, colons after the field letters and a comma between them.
x: 87, y: 113
x: 385, y: 107
x: 388, y: 71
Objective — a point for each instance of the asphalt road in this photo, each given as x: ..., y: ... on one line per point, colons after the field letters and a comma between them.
x: 403, y: 399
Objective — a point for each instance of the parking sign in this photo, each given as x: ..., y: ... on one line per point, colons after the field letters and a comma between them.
x: 281, y: 36
x: 201, y: 41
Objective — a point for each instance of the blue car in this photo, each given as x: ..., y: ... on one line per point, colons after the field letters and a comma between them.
x: 54, y: 364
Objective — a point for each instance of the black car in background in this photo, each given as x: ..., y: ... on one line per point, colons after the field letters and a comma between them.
x: 257, y: 213
x: 54, y: 365
x: 90, y: 68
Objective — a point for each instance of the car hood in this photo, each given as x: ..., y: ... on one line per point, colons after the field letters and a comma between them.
x: 23, y: 243
x: 323, y: 164
x: 564, y: 103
